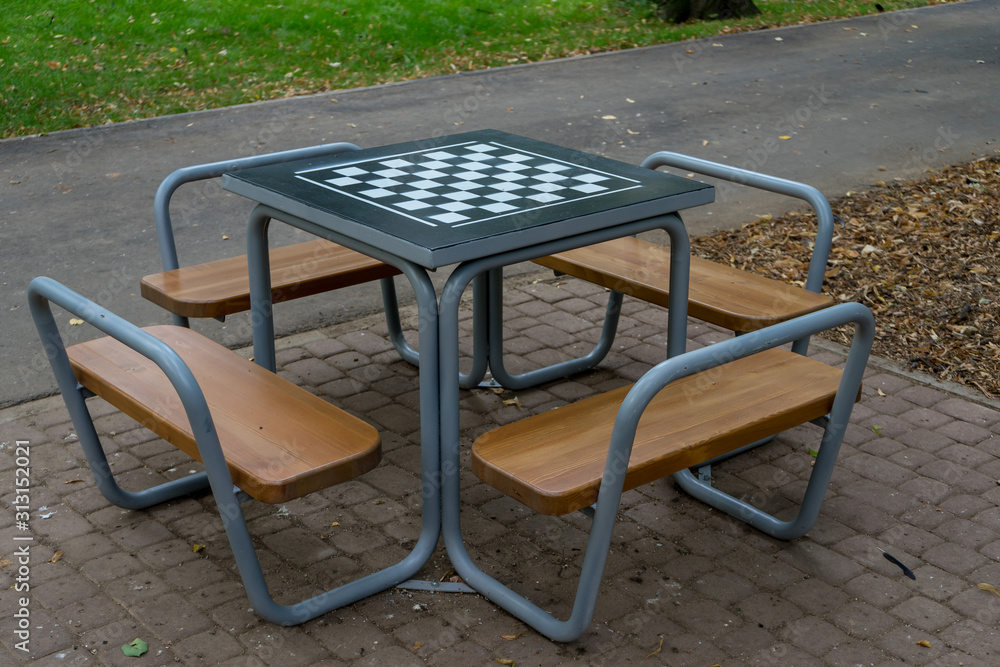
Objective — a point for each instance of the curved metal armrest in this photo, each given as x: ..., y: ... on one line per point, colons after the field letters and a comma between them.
x: 731, y: 349
x: 161, y: 203
x: 42, y: 291
x: 807, y: 193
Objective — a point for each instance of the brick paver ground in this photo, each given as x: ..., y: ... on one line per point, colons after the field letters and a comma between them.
x: 918, y: 477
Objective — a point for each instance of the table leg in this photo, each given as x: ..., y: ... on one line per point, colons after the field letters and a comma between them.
x: 606, y: 510
x: 263, y: 334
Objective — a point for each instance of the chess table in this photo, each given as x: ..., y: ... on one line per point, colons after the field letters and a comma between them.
x: 481, y: 201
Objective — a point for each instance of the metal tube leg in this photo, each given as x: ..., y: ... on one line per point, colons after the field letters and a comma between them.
x: 555, y: 371
x: 391, y: 306
x: 261, y: 308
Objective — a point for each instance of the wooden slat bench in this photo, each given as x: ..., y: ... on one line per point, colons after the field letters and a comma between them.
x: 258, y: 435
x: 722, y: 295
x: 280, y: 442
x: 553, y: 462
x: 682, y: 414
x: 222, y: 287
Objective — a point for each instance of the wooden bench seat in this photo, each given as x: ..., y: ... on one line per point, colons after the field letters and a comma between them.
x: 719, y: 294
x: 279, y: 441
x: 553, y: 462
x: 222, y: 287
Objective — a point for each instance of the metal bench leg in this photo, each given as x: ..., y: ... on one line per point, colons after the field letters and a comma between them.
x: 555, y: 371
x: 480, y: 362
x: 104, y: 477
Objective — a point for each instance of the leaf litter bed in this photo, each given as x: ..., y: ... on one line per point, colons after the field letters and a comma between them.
x: 924, y: 256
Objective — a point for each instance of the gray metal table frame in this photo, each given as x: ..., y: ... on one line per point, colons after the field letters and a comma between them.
x: 439, y: 392
x: 440, y: 379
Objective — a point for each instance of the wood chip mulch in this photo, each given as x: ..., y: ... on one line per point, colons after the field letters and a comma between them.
x: 924, y: 256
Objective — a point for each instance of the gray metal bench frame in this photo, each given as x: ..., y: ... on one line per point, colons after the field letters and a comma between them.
x: 616, y: 466
x: 168, y: 245
x: 216, y: 476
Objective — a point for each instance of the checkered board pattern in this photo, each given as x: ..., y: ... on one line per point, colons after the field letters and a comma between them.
x: 466, y: 183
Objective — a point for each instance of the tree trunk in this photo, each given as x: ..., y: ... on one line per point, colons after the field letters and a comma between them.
x: 679, y: 11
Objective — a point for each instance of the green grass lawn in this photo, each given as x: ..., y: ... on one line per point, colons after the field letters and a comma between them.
x: 74, y: 63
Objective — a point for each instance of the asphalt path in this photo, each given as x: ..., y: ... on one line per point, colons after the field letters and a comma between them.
x: 840, y: 105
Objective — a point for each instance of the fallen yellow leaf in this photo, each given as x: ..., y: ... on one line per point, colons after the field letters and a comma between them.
x: 784, y: 136
x: 988, y: 587
x: 417, y: 645
x: 56, y: 557
x: 924, y: 642
x: 658, y: 649
x: 506, y: 661
x: 75, y: 321
x: 609, y: 117
x: 197, y: 547
x: 511, y: 637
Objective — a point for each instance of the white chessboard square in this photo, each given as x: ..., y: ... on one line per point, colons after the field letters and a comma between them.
x: 545, y: 197
x: 482, y: 148
x: 440, y: 155
x: 390, y: 173
x: 514, y: 166
x: 547, y: 187
x: 478, y: 157
x: 343, y: 181
x: 425, y: 185
x: 350, y: 171
x: 435, y: 164
x: 507, y: 187
x: 463, y: 185
x: 450, y: 218
x: 417, y: 194
x: 397, y: 164
x: 590, y: 178
x: 377, y: 193
x: 430, y: 173
x: 553, y: 167
x: 515, y: 157
x: 461, y: 195
x: 413, y: 205
x: 456, y: 206
x: 510, y: 177
x: 502, y: 196
x: 550, y: 178
x: 384, y: 182
x: 475, y: 165
x: 499, y: 207
x: 469, y: 175
x: 588, y: 188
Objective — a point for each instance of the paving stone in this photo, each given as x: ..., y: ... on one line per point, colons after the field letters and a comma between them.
x: 968, y: 411
x: 208, y: 648
x: 922, y: 395
x: 901, y: 642
x: 967, y: 505
x: 855, y: 653
x: 61, y: 592
x: 812, y: 635
x: 973, y: 638
x: 925, y: 614
x: 962, y: 431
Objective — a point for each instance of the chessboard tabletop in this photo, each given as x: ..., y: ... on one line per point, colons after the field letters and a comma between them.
x: 450, y: 199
